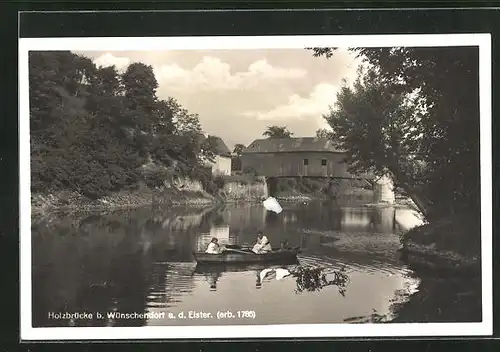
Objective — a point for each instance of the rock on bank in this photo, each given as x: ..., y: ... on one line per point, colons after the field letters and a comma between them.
x: 179, y: 192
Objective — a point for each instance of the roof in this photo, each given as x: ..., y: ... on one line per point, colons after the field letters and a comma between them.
x: 303, y: 144
x: 220, y: 147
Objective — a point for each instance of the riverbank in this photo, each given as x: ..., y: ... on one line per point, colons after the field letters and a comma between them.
x: 446, y: 256
x: 73, y: 201
x: 179, y: 193
x: 452, y: 245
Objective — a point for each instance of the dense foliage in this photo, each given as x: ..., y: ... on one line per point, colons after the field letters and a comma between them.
x: 415, y: 113
x: 238, y: 149
x: 277, y: 132
x: 94, y: 130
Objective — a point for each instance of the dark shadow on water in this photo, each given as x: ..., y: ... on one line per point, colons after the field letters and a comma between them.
x: 441, y: 300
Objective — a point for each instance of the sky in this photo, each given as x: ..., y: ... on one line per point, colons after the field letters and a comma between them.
x: 238, y: 93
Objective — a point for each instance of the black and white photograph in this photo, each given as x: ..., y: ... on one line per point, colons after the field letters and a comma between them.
x: 255, y: 187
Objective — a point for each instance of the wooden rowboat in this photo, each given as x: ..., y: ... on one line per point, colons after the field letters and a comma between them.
x: 247, y: 257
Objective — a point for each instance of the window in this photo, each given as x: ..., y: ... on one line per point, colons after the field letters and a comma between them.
x: 306, y: 162
x: 323, y: 162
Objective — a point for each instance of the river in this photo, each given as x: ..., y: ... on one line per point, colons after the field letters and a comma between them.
x: 140, y: 261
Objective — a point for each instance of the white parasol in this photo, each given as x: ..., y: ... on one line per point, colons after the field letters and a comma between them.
x: 271, y: 204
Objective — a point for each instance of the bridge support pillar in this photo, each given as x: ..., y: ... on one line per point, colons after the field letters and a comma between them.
x: 272, y: 186
x: 383, y: 190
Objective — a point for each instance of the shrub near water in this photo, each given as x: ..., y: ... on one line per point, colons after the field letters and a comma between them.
x: 459, y: 234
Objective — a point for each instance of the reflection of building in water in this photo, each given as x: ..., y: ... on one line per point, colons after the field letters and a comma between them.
x: 202, y: 241
x: 222, y: 233
x: 377, y: 218
x: 356, y: 217
x: 289, y: 218
x: 303, y: 240
x: 244, y: 216
x: 385, y: 219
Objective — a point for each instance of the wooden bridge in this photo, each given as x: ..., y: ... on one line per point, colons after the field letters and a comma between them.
x: 306, y: 157
x: 297, y: 157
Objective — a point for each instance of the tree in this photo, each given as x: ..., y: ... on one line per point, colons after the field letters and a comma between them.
x: 277, y: 132
x: 140, y: 84
x: 380, y: 129
x: 238, y: 149
x: 323, y: 133
x: 446, y: 82
x: 92, y: 128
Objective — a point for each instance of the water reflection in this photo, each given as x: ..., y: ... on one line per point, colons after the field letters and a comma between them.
x: 308, y: 279
x: 140, y: 261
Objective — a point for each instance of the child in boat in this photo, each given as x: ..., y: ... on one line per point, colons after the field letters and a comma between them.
x: 263, y: 245
x: 213, y: 247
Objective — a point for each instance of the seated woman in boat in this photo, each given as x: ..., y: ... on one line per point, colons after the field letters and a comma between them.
x: 263, y: 245
x: 213, y: 247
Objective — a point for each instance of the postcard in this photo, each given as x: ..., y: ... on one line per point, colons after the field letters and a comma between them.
x: 255, y: 187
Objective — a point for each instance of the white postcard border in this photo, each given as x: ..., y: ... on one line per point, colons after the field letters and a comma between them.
x: 485, y: 328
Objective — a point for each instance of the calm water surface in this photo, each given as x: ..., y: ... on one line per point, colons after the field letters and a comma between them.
x: 140, y: 261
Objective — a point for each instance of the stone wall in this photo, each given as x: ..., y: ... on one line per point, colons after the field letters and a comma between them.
x: 245, y: 191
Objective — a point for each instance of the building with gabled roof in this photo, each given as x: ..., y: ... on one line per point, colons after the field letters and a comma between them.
x: 296, y: 157
x: 286, y: 145
x: 222, y: 162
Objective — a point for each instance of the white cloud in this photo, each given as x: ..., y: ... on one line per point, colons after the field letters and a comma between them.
x: 213, y: 74
x: 108, y: 59
x: 297, y: 107
x: 263, y: 68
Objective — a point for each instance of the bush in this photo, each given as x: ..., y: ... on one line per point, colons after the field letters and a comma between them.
x: 219, y: 182
x: 459, y: 234
x: 156, y: 178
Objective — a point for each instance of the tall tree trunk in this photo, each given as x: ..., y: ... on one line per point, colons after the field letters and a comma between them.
x: 402, y: 181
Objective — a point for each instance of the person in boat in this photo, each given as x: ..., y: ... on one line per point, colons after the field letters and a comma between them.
x: 262, y: 245
x: 213, y: 247
x: 285, y: 245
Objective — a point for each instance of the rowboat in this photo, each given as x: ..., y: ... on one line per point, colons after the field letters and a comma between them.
x: 230, y: 256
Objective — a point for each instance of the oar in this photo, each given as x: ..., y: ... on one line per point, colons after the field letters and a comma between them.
x: 237, y: 246
x: 237, y: 251
x: 292, y: 248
